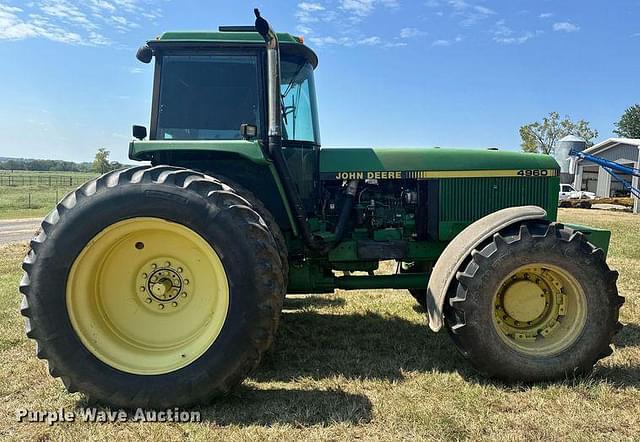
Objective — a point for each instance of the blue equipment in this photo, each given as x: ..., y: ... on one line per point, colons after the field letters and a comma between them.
x: 612, y: 167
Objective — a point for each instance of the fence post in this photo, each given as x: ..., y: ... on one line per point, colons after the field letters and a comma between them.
x: 29, y: 200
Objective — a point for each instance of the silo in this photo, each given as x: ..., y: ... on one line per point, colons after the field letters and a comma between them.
x: 561, y: 155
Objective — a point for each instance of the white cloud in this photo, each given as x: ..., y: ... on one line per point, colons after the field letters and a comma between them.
x: 395, y: 44
x: 546, y: 15
x: 122, y: 23
x: 310, y: 7
x: 100, y: 5
x: 520, y: 39
x: 565, y: 26
x: 503, y: 34
x: 307, y: 11
x: 77, y: 22
x: 363, y: 8
x: 472, y: 17
x: 327, y: 41
x: 467, y: 12
x: 370, y: 41
x: 448, y: 42
x: 441, y: 43
x: 98, y: 39
x: 346, y: 41
x: 136, y: 71
x: 304, y: 29
x: 411, y: 32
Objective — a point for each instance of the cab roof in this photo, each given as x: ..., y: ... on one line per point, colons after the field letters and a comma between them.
x: 288, y: 42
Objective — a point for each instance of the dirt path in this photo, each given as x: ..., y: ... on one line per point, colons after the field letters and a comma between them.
x: 17, y: 230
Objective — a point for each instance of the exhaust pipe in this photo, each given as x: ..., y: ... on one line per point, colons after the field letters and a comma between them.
x: 274, y: 131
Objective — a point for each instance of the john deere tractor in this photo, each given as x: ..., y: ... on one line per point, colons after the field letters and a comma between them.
x: 162, y: 284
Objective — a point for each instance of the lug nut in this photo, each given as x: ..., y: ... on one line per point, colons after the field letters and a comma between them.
x: 142, y: 289
x: 154, y: 265
x: 148, y: 300
x: 161, y: 306
x: 145, y: 276
x: 175, y: 304
x: 186, y: 282
x: 179, y: 269
x: 167, y: 264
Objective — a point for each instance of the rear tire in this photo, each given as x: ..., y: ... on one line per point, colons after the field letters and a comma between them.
x: 268, y: 218
x: 537, y: 302
x: 181, y: 200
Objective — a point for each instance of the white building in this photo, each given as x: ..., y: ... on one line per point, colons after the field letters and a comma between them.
x: 593, y: 178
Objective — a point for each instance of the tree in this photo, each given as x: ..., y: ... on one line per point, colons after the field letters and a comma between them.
x: 101, y: 161
x: 629, y: 124
x: 542, y: 136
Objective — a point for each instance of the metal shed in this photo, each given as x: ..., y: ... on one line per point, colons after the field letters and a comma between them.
x: 593, y: 178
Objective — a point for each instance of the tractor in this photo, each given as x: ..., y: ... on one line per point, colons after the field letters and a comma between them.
x: 162, y: 284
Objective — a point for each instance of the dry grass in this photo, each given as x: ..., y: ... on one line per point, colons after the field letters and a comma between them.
x: 362, y: 365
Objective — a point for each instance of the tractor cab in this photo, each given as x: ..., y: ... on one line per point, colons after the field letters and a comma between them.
x: 209, y: 85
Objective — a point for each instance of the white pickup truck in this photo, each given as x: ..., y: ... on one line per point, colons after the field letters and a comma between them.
x: 568, y: 192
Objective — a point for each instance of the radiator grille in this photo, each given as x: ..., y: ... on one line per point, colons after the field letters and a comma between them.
x: 463, y: 200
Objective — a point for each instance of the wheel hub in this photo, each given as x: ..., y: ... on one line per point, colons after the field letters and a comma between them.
x: 529, y: 304
x: 524, y: 301
x: 531, y: 309
x: 164, y: 283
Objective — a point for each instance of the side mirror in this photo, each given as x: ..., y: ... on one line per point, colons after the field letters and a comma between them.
x: 139, y: 132
x: 145, y: 54
x: 248, y: 131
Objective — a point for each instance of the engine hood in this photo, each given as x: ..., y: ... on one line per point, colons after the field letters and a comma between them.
x: 425, y: 163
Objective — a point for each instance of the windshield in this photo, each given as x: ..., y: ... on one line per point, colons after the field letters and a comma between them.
x: 299, y: 115
x: 207, y: 97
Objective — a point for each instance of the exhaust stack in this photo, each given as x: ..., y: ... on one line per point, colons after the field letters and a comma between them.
x: 275, y: 131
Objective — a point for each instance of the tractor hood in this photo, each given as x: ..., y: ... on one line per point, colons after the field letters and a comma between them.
x: 425, y: 163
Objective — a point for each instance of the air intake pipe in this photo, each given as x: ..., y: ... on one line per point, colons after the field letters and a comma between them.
x: 275, y: 131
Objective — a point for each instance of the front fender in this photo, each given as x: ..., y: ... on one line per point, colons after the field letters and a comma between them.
x: 459, y: 249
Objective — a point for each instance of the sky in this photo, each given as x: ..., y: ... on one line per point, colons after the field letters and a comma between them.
x: 454, y: 73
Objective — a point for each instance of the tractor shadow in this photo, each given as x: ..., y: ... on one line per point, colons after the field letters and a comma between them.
x: 372, y: 346
x: 308, y: 302
x: 246, y: 406
x: 365, y: 346
x: 356, y: 346
x: 249, y: 406
x: 629, y: 336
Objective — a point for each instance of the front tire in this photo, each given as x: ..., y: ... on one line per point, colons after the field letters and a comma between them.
x: 152, y: 287
x: 537, y: 302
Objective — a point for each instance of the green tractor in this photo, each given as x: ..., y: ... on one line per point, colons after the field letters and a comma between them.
x: 161, y: 285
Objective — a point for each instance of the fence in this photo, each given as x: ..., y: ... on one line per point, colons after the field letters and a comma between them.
x: 43, y: 180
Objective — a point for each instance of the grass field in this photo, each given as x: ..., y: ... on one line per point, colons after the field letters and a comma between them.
x: 39, y: 194
x: 362, y: 365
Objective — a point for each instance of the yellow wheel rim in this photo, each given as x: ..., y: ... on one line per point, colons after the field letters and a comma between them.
x: 539, y: 309
x: 147, y: 296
